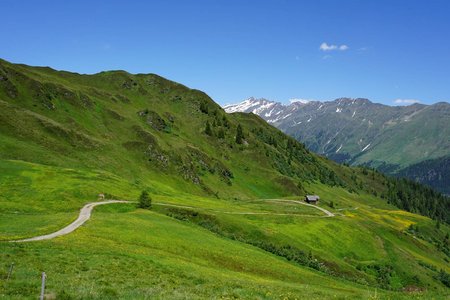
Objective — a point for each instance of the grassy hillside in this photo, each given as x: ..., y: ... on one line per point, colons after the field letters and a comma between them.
x: 217, y: 227
x: 142, y: 125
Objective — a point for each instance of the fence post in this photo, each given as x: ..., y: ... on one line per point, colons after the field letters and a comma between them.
x: 10, y: 271
x: 43, y: 286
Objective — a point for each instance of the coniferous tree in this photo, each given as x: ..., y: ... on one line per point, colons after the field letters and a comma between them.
x: 208, y: 130
x: 145, y: 201
x: 204, y: 107
x: 225, y: 122
x: 239, y: 135
x: 221, y: 133
x: 218, y: 121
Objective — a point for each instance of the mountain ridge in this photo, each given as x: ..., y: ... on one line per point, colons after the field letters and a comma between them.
x: 358, y: 131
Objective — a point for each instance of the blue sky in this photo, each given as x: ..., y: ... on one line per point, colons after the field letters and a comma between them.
x: 280, y: 50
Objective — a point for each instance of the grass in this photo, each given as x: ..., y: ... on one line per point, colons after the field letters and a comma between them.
x: 124, y: 252
x: 108, y: 257
x: 65, y: 138
x: 156, y: 260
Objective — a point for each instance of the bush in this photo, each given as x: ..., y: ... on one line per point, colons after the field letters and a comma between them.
x: 145, y: 201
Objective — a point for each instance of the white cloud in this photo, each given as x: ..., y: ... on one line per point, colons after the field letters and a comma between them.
x: 325, y: 47
x: 406, y: 101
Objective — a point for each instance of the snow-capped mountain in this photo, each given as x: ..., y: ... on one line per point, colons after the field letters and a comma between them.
x: 270, y: 111
x: 261, y: 107
x: 358, y: 131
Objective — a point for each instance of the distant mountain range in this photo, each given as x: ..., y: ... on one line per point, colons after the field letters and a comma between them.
x: 411, y: 141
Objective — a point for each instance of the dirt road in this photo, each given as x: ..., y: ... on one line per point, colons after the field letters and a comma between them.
x: 326, y: 212
x: 85, y: 214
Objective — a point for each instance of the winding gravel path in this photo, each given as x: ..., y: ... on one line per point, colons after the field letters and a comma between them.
x: 235, y: 212
x: 326, y: 212
x: 85, y: 214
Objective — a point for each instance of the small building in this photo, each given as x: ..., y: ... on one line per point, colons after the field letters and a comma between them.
x: 312, y: 199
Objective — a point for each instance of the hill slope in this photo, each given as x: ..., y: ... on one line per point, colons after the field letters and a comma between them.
x: 358, y: 131
x: 432, y: 172
x: 217, y: 227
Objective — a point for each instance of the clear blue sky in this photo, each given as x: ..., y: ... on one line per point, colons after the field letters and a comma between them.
x: 381, y: 50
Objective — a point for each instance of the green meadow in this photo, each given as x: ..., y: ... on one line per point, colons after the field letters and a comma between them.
x: 209, y: 250
x: 224, y: 223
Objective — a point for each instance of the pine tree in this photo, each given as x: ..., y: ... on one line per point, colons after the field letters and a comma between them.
x: 438, y: 224
x: 204, y: 107
x: 145, y: 201
x: 218, y: 121
x: 208, y: 130
x: 221, y: 133
x: 239, y: 135
x: 225, y: 122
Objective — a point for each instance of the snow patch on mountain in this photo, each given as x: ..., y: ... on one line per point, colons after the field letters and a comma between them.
x: 364, y: 149
x: 284, y: 117
x: 267, y: 114
x: 297, y: 100
x: 263, y: 107
x: 243, y: 106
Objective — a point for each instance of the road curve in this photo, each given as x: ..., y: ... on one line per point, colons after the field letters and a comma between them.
x: 235, y: 212
x: 326, y: 212
x: 85, y: 214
